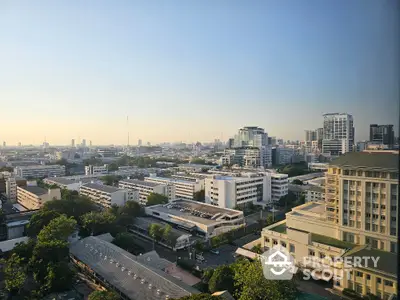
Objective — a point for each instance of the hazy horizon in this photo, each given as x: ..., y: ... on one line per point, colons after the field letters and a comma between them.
x: 194, y: 71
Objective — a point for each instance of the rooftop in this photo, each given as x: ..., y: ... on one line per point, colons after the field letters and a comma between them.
x: 368, y: 159
x: 102, y: 187
x: 281, y: 228
x: 386, y: 262
x: 38, y: 191
x: 172, y: 180
x: 313, y: 207
x: 140, y: 182
x: 39, y: 167
x: 326, y: 240
x: 132, y: 277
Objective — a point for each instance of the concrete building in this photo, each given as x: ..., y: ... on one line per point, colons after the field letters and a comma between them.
x: 198, y: 218
x: 253, y: 136
x: 40, y: 171
x: 70, y: 184
x: 184, y: 189
x: 338, y: 133
x: 11, y: 187
x: 382, y: 134
x: 145, y: 188
x: 248, y: 157
x: 33, y: 197
x: 279, y: 186
x: 96, y: 170
x: 318, y: 166
x: 105, y: 196
x: 229, y: 192
x: 362, y: 197
x: 284, y: 155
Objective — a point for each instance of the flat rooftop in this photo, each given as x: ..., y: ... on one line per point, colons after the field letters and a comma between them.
x: 194, y: 211
x: 39, y: 167
x: 38, y: 191
x: 314, y: 208
x: 368, y: 159
x: 140, y: 182
x: 102, y: 187
x: 172, y: 180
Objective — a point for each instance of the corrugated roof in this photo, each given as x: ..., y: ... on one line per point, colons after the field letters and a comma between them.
x: 140, y: 182
x: 381, y: 160
x: 102, y: 187
x: 119, y: 267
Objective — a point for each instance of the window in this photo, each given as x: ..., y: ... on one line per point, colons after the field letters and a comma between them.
x: 283, y: 244
x: 392, y: 231
x: 267, y: 240
x: 311, y: 252
x: 321, y: 255
x: 388, y: 283
x: 292, y: 248
x: 275, y: 242
x: 368, y: 277
x: 367, y: 226
x: 359, y: 274
x: 378, y: 280
x: 383, y: 229
x: 393, y: 247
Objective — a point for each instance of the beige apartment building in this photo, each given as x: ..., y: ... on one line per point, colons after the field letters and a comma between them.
x: 34, y: 197
x: 357, y: 219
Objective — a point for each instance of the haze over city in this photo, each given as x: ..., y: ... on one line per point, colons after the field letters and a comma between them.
x: 193, y: 71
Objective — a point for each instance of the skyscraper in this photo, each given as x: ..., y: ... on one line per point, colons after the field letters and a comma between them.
x: 83, y: 143
x: 381, y: 134
x: 73, y: 143
x: 310, y: 135
x: 338, y: 133
x: 139, y: 142
x: 90, y: 143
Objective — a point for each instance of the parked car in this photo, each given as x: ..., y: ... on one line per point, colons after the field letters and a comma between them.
x: 214, y: 251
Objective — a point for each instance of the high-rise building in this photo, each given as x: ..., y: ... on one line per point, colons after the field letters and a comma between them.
x: 19, y: 144
x: 4, y: 144
x: 83, y: 143
x: 338, y: 135
x: 252, y: 136
x: 90, y: 143
x: 231, y: 143
x: 310, y: 135
x: 382, y: 134
x: 73, y: 143
x: 362, y: 197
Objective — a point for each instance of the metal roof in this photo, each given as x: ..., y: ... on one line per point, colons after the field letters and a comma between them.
x: 133, y: 278
x: 140, y: 182
x: 102, y: 187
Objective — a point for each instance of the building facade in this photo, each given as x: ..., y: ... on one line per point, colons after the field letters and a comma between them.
x: 33, y: 197
x: 184, y: 189
x: 96, y: 170
x: 382, y: 134
x: 40, y: 171
x: 105, y: 196
x: 338, y: 133
x: 145, y: 188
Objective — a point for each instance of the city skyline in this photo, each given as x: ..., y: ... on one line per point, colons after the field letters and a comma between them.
x: 194, y: 72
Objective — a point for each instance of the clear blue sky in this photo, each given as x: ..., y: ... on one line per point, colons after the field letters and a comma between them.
x: 193, y: 70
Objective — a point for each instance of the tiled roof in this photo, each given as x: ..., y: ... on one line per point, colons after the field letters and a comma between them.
x: 381, y: 160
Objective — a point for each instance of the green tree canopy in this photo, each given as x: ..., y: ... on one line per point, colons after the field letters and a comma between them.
x: 297, y: 181
x: 199, y: 196
x: 59, y: 228
x: 25, y: 250
x: 127, y: 242
x: 14, y: 273
x: 104, y: 295
x: 222, y: 279
x: 95, y: 223
x: 40, y: 220
x: 203, y: 296
x: 59, y: 277
x: 154, y: 199
x: 73, y: 207
x: 156, y: 231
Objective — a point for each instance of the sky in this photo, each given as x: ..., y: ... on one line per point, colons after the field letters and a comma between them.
x: 193, y: 70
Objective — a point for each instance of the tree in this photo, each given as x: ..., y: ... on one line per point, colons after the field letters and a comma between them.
x: 199, y: 196
x: 126, y: 241
x: 2, y: 217
x: 154, y: 199
x: 207, y: 274
x: 166, y: 233
x: 250, y: 283
x: 95, y: 223
x: 131, y: 208
x: 72, y: 207
x: 25, y: 250
x: 59, y: 277
x: 40, y: 220
x: 104, y: 295
x: 69, y: 195
x: 113, y: 167
x: 297, y: 181
x: 270, y: 220
x: 14, y: 274
x: 59, y: 228
x: 155, y: 231
x: 111, y: 179
x: 221, y: 280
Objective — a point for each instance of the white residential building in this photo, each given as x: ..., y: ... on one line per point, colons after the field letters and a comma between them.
x: 105, y: 196
x: 11, y: 189
x: 70, y: 184
x: 183, y: 188
x: 96, y: 170
x: 145, y: 188
x: 34, y: 197
x: 279, y: 186
x: 40, y: 171
x: 338, y: 133
x: 284, y: 155
x: 228, y: 192
x: 318, y: 166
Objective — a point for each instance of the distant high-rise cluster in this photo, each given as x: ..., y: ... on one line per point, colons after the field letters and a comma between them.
x: 382, y: 134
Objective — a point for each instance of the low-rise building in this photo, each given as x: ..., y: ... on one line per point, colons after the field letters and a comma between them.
x: 229, y: 192
x: 70, y: 184
x: 145, y: 188
x: 11, y: 187
x: 40, y: 171
x: 105, y: 196
x: 183, y: 188
x: 318, y: 166
x: 197, y: 218
x: 34, y: 197
x: 279, y: 186
x: 96, y: 170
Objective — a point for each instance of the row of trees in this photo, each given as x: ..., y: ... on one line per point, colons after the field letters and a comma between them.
x: 162, y: 234
x: 245, y: 281
x: 290, y: 200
